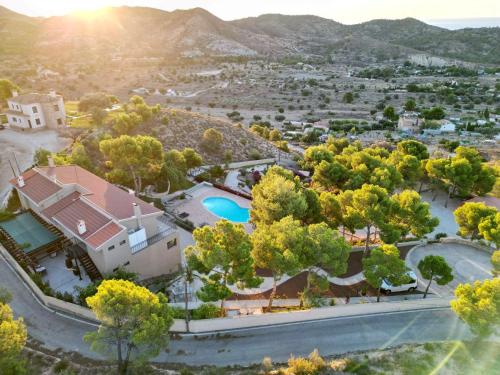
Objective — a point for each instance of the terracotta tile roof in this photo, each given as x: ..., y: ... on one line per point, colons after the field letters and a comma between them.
x: 61, y: 204
x: 36, y: 186
x: 104, y: 234
x: 71, y: 209
x: 110, y: 198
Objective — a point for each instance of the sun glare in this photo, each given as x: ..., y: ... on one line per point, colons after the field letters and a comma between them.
x: 90, y: 14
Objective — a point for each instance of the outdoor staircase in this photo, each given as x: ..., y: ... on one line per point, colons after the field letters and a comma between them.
x: 89, y: 266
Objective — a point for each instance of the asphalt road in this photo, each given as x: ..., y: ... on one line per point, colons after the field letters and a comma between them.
x: 333, y: 336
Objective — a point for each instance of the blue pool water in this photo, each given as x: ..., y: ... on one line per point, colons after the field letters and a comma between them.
x: 227, y: 209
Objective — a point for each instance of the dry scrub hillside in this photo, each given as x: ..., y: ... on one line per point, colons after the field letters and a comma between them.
x: 180, y: 129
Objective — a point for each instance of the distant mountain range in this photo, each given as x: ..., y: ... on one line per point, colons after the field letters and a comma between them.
x: 139, y: 31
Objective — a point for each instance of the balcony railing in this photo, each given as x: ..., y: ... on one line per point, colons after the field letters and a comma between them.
x: 168, y: 230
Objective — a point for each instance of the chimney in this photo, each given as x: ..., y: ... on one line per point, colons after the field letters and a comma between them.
x: 20, y: 181
x: 14, y: 93
x: 137, y: 214
x: 52, y: 93
x: 51, y: 161
x: 82, y: 228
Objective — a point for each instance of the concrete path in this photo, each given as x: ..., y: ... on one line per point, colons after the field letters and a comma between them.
x: 445, y: 215
x: 468, y: 264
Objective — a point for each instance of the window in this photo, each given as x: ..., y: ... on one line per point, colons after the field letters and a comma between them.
x: 14, y: 118
x: 56, y: 108
x: 123, y: 242
x: 29, y: 123
x: 111, y: 247
x: 37, y: 121
x: 34, y: 109
x: 126, y: 264
x: 172, y: 243
x: 59, y: 121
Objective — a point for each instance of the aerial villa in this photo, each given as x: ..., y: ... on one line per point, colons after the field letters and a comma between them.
x: 68, y: 209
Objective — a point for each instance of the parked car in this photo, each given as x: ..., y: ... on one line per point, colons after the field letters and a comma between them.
x: 409, y: 286
x: 2, y: 127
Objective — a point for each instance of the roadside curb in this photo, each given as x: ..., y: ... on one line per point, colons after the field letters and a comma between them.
x: 214, y: 326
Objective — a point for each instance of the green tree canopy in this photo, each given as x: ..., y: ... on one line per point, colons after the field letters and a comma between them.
x: 325, y: 249
x: 13, y: 337
x: 435, y: 268
x: 222, y: 255
x: 435, y: 113
x: 277, y: 195
x: 193, y: 159
x: 478, y: 305
x: 412, y: 215
x: 6, y: 89
x: 390, y: 113
x: 277, y: 247
x: 489, y: 229
x: 126, y: 123
x: 414, y: 148
x: 408, y: 166
x: 135, y: 322
x: 469, y: 216
x: 139, y: 156
x: 384, y: 263
x: 314, y: 155
x: 98, y: 100
x: 495, y: 262
x: 330, y: 176
x: 212, y: 140
x: 410, y: 105
x: 369, y: 207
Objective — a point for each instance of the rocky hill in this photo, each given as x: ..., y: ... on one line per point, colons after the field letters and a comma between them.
x: 196, y: 32
x: 185, y: 129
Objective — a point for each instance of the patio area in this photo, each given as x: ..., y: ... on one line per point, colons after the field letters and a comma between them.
x: 59, y: 277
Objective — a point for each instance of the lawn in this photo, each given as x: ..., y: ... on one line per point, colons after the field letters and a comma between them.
x: 84, y: 120
x: 71, y: 108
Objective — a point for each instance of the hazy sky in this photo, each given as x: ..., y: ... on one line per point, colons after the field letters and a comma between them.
x: 345, y: 11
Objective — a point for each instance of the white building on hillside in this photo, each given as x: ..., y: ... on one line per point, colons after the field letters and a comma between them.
x: 36, y: 111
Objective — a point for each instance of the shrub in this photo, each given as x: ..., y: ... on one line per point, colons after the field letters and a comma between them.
x: 61, y: 366
x: 206, y: 311
x: 44, y: 287
x: 68, y: 297
x: 254, y: 154
x: 440, y: 235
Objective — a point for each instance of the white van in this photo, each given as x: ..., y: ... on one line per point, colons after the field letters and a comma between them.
x: 410, y: 286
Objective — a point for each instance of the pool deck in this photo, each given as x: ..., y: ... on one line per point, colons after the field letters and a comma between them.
x: 199, y: 215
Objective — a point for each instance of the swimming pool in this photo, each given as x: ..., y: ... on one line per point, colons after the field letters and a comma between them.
x: 227, y: 209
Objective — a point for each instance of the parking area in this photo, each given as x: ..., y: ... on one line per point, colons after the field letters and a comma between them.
x: 468, y: 264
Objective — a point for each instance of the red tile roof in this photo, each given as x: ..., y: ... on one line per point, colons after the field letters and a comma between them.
x: 104, y: 234
x: 110, y: 198
x: 71, y: 209
x: 59, y: 205
x: 36, y: 186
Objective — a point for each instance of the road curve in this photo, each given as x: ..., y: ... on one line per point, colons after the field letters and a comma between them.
x: 247, y: 346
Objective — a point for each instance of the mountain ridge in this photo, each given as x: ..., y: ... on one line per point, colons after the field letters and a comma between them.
x: 197, y: 32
